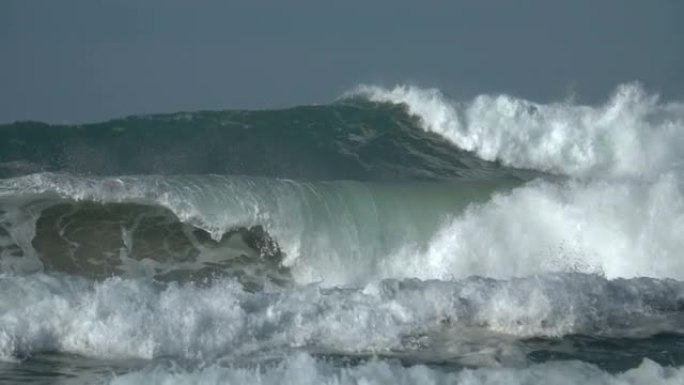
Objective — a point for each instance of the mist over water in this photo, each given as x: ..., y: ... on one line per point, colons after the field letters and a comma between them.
x: 394, y: 236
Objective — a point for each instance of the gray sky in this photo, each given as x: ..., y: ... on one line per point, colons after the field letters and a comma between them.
x: 83, y: 60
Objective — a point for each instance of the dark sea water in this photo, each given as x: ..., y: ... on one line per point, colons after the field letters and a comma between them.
x: 391, y: 237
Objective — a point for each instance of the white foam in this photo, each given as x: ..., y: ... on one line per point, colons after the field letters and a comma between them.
x: 125, y: 318
x: 615, y: 228
x: 631, y: 134
x: 302, y: 370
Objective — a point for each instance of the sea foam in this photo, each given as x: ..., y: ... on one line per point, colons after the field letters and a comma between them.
x: 303, y: 369
x: 128, y: 318
x: 631, y: 134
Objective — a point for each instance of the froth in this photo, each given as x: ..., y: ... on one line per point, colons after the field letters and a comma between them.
x: 303, y: 369
x: 631, y: 134
x: 613, y: 228
x: 124, y: 318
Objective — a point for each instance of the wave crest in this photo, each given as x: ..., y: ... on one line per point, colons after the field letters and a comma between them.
x: 632, y: 134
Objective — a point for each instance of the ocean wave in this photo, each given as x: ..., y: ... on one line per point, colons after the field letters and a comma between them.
x: 345, y: 233
x: 336, y: 232
x: 351, y: 141
x: 632, y: 134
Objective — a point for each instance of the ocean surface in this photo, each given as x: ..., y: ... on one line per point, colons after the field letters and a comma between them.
x: 393, y: 236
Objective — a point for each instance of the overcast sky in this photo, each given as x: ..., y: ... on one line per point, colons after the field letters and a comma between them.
x: 84, y: 60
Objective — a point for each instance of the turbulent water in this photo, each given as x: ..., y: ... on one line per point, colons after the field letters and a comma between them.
x: 394, y: 236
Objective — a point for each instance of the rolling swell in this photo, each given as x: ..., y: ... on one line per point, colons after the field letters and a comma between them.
x: 347, y: 140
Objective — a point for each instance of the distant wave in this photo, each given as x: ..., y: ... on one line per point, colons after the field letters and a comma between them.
x: 370, y: 133
x: 349, y: 140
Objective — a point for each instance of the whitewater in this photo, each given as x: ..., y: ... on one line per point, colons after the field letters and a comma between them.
x: 392, y: 236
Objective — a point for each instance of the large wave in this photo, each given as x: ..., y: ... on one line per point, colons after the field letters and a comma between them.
x: 346, y: 232
x: 334, y: 232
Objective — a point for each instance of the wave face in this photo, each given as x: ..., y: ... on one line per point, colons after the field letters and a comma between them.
x: 353, y: 140
x: 394, y: 236
x: 338, y: 232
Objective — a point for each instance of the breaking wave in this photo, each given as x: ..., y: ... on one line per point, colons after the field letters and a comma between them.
x: 632, y: 134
